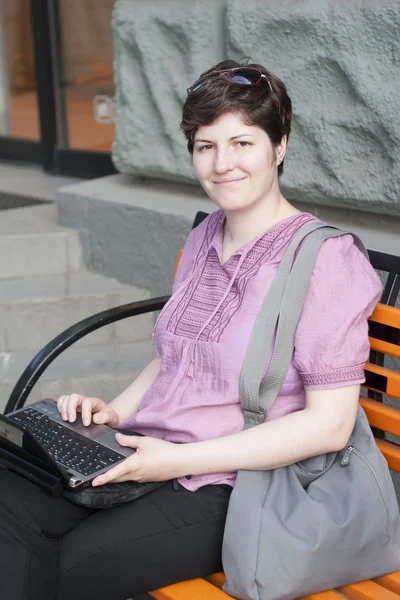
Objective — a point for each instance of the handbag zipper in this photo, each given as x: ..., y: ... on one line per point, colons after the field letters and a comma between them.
x: 346, y: 460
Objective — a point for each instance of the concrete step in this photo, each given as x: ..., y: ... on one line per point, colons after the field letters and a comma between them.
x: 25, y: 184
x: 34, y: 309
x: 102, y: 370
x: 32, y: 243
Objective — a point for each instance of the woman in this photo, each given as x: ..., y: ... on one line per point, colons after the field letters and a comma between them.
x: 236, y: 120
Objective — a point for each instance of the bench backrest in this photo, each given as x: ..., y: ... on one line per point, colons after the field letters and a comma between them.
x: 383, y: 384
x: 384, y: 335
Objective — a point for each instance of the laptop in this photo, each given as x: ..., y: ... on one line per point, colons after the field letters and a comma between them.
x: 36, y: 443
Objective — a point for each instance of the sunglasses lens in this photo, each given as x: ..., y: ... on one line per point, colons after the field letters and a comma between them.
x: 245, y: 76
x: 197, y: 85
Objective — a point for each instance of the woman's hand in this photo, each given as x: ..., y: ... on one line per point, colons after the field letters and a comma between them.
x: 154, y: 460
x: 92, y: 409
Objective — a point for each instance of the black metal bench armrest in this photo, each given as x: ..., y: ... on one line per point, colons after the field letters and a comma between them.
x: 390, y: 264
x: 68, y: 337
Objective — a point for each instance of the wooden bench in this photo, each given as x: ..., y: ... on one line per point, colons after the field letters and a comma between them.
x: 384, y: 417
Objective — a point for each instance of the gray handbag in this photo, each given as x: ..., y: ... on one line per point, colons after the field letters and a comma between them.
x: 326, y: 521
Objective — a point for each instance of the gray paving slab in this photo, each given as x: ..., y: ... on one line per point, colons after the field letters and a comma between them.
x: 32, y: 242
x: 33, y: 310
x: 85, y: 283
x: 81, y: 362
x: 34, y: 287
x: 70, y: 285
x: 34, y: 219
x: 31, y: 181
x: 5, y: 391
x: 32, y: 254
x: 135, y: 328
x: 33, y: 325
x: 75, y: 261
x: 3, y: 340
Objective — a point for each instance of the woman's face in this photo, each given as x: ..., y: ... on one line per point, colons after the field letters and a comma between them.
x: 236, y: 163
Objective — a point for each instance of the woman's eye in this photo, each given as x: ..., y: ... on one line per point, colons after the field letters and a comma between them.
x: 203, y: 148
x: 243, y: 144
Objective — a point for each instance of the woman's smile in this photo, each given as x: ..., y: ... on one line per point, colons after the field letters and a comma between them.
x: 229, y: 182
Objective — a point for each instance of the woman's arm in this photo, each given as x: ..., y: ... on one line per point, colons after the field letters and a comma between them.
x: 324, y: 425
x: 118, y: 410
x: 127, y: 403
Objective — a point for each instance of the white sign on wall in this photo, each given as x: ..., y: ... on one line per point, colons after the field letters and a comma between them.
x: 104, y: 109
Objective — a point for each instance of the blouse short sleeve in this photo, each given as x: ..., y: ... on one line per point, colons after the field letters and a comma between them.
x: 331, y: 343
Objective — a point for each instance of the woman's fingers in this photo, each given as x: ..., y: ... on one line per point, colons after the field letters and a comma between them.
x: 86, y: 410
x: 154, y: 460
x: 122, y: 472
x: 131, y: 441
x: 68, y: 405
x: 105, y: 415
x: 74, y: 401
x: 66, y: 410
x: 96, y: 410
x: 59, y: 403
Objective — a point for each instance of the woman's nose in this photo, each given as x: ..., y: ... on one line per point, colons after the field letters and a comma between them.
x: 223, y: 161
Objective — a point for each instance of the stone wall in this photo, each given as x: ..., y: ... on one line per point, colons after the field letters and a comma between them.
x: 340, y: 61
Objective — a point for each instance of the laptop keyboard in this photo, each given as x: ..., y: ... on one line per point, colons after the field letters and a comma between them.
x: 68, y: 448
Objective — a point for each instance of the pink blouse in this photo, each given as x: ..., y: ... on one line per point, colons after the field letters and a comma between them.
x: 203, y: 331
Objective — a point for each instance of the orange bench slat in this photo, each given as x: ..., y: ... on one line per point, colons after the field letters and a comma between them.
x: 391, y: 453
x: 391, y: 582
x: 384, y: 347
x: 178, y: 259
x: 382, y: 416
x: 328, y: 595
x: 194, y: 589
x: 367, y: 590
x: 383, y: 588
x: 392, y: 380
x: 218, y: 579
x: 387, y: 315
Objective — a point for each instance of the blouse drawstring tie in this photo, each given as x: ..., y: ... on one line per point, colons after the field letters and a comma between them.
x: 190, y: 369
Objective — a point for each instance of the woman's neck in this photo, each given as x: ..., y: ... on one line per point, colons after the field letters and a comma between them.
x: 244, y: 226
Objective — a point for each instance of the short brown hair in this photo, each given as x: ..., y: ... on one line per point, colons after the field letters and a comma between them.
x: 266, y: 104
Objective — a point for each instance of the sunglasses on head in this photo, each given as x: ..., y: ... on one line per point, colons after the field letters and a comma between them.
x: 240, y: 75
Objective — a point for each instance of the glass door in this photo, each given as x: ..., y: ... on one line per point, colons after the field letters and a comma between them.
x: 86, y: 70
x: 56, y: 84
x: 74, y: 57
x: 19, y: 117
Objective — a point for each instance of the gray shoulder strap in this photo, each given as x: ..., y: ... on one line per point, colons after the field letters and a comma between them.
x: 280, y: 313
